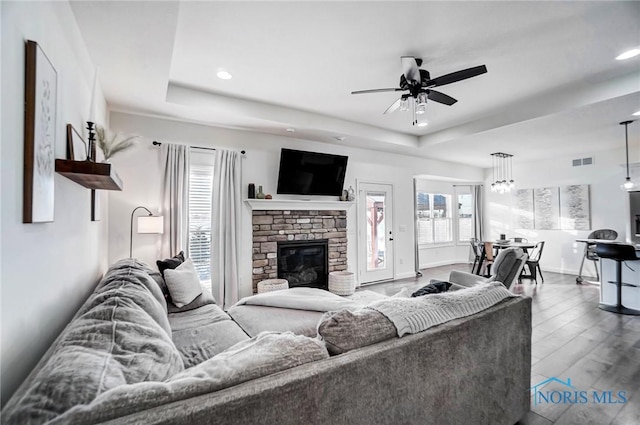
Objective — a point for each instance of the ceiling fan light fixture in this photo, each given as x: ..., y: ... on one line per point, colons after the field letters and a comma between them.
x: 628, y: 54
x: 423, y: 124
x: 404, y: 105
x: 421, y: 99
x: 224, y: 75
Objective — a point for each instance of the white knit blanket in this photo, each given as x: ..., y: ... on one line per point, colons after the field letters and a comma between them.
x: 412, y: 315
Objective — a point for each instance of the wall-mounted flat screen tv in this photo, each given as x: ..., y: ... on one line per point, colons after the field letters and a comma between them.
x: 311, y: 173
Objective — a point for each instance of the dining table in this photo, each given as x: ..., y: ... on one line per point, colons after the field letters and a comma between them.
x: 501, y: 244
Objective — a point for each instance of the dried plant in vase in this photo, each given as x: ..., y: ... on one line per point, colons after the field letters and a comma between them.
x: 112, y: 143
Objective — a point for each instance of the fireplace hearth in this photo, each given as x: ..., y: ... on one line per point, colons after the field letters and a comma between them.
x: 303, y: 263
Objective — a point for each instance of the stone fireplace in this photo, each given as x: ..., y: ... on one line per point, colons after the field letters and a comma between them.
x: 273, y: 226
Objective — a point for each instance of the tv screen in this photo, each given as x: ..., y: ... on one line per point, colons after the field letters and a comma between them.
x: 311, y: 173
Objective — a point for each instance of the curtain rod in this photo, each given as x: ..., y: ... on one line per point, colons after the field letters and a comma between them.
x: 466, y: 185
x: 156, y: 143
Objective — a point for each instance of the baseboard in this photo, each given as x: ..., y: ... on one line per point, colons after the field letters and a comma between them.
x: 405, y: 275
x: 563, y: 270
x: 444, y: 263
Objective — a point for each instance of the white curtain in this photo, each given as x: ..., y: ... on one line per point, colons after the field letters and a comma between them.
x: 175, y: 197
x: 226, y: 210
x: 478, y: 211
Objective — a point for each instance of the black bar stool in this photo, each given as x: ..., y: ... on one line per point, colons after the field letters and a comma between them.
x: 619, y: 253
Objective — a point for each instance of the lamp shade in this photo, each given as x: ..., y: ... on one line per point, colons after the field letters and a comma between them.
x: 151, y: 224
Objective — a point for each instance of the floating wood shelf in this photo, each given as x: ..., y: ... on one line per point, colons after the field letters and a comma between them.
x: 92, y: 175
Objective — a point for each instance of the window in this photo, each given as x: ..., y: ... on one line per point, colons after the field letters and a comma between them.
x: 434, y: 218
x: 465, y: 217
x: 200, y: 186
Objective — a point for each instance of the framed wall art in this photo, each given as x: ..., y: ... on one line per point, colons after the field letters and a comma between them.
x: 575, y: 213
x: 76, y: 146
x: 524, y: 209
x: 39, y: 135
x: 546, y: 207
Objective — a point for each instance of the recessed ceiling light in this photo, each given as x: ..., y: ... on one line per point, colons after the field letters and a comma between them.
x: 291, y: 130
x: 637, y: 114
x: 423, y: 124
x: 341, y: 138
x: 628, y: 54
x: 224, y: 75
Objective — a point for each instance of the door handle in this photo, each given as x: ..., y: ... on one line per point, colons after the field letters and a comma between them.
x: 390, y: 239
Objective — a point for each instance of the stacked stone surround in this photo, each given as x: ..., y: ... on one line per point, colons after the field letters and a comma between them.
x: 269, y: 227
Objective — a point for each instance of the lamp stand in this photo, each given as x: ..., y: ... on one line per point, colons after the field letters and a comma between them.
x: 131, y: 229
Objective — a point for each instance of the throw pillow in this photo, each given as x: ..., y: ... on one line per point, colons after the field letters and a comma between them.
x: 435, y: 287
x: 183, y: 283
x: 346, y: 330
x: 169, y: 263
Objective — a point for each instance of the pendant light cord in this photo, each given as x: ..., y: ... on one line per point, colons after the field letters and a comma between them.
x: 626, y: 143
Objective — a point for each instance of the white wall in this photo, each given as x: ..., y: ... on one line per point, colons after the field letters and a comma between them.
x: 139, y: 170
x: 48, y: 269
x: 449, y: 253
x: 609, y: 205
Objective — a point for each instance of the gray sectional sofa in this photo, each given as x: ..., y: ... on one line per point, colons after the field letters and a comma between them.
x: 128, y: 357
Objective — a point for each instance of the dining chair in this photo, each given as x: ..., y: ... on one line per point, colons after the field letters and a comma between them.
x: 534, y: 262
x: 488, y: 258
x: 475, y: 248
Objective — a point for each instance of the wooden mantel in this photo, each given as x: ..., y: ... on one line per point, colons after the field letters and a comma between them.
x: 297, y: 204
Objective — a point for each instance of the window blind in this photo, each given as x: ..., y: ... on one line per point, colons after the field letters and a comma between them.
x: 200, y: 186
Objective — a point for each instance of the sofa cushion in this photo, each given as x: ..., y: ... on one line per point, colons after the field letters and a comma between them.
x: 346, y: 330
x: 127, y: 279
x: 266, y: 354
x: 201, y: 316
x: 206, y: 297
x: 127, y: 266
x: 183, y: 283
x: 199, y: 344
x: 256, y: 318
x: 113, y: 343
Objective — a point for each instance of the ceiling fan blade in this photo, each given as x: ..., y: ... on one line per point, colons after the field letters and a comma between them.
x: 456, y: 76
x: 410, y: 69
x: 375, y: 91
x: 395, y: 105
x: 436, y: 96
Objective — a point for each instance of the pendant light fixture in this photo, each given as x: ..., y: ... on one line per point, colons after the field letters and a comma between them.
x: 502, y: 169
x: 628, y: 185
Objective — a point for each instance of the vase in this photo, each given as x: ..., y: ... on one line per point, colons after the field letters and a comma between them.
x: 260, y: 194
x: 351, y: 194
x: 252, y: 191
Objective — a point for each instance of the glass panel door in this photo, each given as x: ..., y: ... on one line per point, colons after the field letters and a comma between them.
x: 376, y: 232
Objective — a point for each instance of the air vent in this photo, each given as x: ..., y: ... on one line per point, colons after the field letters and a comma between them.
x: 582, y: 161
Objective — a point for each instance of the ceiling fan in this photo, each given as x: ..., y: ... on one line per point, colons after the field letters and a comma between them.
x: 418, y: 83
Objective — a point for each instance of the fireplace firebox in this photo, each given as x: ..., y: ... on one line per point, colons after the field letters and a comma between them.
x: 304, y: 263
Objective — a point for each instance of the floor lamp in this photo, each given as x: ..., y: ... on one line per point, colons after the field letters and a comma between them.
x: 146, y: 224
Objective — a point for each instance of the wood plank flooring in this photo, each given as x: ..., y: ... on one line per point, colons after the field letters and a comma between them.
x: 572, y: 338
